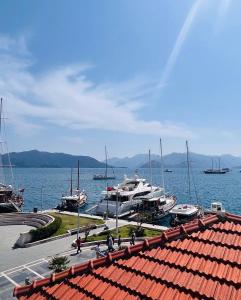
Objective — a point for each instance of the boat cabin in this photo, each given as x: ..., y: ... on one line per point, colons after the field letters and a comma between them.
x: 217, y: 207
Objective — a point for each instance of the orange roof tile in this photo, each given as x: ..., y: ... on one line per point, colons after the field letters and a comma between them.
x: 198, y: 260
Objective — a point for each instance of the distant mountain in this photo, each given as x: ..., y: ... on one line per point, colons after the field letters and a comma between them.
x: 176, y: 160
x: 40, y: 159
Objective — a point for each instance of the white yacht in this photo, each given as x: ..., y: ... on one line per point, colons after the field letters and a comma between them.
x: 183, y: 213
x: 123, y: 198
x: 157, y: 204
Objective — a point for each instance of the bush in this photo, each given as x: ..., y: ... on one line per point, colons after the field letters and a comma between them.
x: 47, y: 231
x: 59, y: 263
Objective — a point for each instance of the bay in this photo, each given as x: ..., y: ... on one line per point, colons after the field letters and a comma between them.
x: 55, y: 181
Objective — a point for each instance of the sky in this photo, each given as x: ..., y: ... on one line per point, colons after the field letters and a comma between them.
x: 78, y: 75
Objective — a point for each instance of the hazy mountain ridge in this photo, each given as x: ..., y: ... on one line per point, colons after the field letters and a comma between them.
x: 41, y: 159
x: 177, y: 160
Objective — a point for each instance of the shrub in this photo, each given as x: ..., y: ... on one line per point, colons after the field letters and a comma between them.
x: 59, y: 263
x: 46, y: 231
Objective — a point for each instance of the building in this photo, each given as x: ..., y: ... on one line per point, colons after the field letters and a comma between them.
x: 198, y: 260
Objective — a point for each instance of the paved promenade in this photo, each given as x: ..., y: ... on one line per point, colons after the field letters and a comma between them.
x: 17, y: 264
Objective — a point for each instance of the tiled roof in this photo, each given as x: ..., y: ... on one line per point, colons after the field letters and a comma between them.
x: 198, y: 260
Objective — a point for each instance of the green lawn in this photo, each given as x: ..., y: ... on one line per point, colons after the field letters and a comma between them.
x: 124, y: 231
x: 71, y: 222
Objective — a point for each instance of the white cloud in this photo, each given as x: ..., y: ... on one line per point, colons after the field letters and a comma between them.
x: 179, y: 42
x: 65, y: 97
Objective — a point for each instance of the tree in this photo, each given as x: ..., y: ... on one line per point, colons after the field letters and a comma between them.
x: 87, y: 229
x: 59, y: 263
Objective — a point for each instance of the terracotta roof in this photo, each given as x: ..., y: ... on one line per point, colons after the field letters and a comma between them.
x: 198, y: 260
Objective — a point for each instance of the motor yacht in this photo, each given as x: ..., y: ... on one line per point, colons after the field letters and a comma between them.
x: 123, y: 198
x: 156, y: 205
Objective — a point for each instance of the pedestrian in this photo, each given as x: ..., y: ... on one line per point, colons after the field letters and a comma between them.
x: 110, y: 244
x: 107, y: 239
x: 113, y: 239
x: 99, y: 253
x: 119, y: 241
x: 78, y: 243
x: 133, y: 238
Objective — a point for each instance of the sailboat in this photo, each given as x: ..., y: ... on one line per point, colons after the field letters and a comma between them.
x: 182, y: 213
x: 10, y: 200
x: 216, y: 171
x: 157, y: 204
x: 76, y: 199
x: 104, y: 176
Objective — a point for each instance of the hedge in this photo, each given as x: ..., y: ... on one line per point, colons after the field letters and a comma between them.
x: 46, y: 231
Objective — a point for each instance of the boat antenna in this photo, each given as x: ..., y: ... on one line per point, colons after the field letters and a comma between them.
x: 78, y: 176
x: 162, y: 171
x: 150, y: 167
x: 188, y: 172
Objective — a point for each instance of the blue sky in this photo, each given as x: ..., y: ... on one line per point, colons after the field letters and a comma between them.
x: 76, y: 75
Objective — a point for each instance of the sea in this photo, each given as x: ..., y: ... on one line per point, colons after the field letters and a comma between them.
x: 45, y: 186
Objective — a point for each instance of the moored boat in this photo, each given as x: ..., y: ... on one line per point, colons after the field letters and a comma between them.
x: 11, y: 200
x: 123, y: 198
x: 75, y: 200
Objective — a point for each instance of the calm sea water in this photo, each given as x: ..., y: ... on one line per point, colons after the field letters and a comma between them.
x: 54, y: 182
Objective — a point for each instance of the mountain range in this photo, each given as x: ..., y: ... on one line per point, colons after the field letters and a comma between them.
x: 40, y: 159
x: 176, y: 160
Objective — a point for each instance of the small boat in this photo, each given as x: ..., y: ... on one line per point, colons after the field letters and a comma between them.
x: 75, y: 200
x: 168, y: 171
x: 216, y: 207
x: 182, y: 213
x: 11, y: 200
x: 105, y: 176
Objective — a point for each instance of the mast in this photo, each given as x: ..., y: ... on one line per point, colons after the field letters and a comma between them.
x: 1, y: 107
x: 150, y: 167
x: 212, y: 163
x: 71, y: 182
x: 105, y: 162
x: 78, y: 176
x: 188, y: 171
x: 162, y: 171
x: 219, y: 163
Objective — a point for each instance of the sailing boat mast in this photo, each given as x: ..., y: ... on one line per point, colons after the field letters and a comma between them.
x: 188, y: 171
x: 150, y: 167
x: 162, y: 171
x: 71, y: 182
x: 78, y: 177
x: 1, y: 106
x: 105, y: 162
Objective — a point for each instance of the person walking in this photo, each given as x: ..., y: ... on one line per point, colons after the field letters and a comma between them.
x: 110, y: 244
x: 78, y: 243
x: 133, y: 238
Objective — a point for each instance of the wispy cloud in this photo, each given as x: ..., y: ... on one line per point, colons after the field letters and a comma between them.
x: 182, y: 36
x: 65, y: 97
x: 222, y: 13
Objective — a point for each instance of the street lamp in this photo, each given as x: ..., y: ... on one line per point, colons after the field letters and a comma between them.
x: 116, y: 212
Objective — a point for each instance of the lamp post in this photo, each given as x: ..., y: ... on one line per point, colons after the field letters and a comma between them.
x: 78, y: 215
x: 116, y: 212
